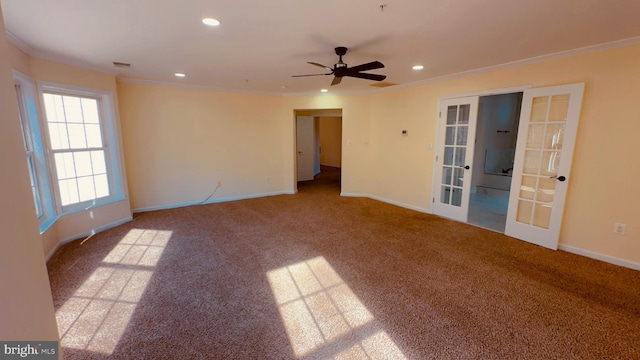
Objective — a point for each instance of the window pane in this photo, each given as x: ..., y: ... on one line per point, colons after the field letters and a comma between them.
x: 68, y: 191
x: 550, y: 163
x: 542, y: 216
x: 528, y: 187
x: 554, y: 136
x: 458, y: 176
x: 445, y: 195
x: 54, y: 108
x: 452, y: 114
x: 72, y: 109
x: 446, y: 175
x: 450, y: 136
x: 58, y: 136
x: 559, y: 107
x: 461, y: 139
x: 531, y: 162
x: 94, y: 137
x: 50, y: 107
x: 524, y: 212
x: 539, y: 106
x: 102, y: 185
x: 77, y: 139
x: 456, y: 197
x: 83, y: 163
x: 90, y: 111
x: 461, y: 154
x: 86, y: 188
x: 535, y: 136
x: 65, y: 167
x: 448, y: 155
x: 98, y: 161
x: 464, y: 114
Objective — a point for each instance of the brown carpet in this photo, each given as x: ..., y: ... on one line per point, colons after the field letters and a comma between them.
x: 316, y: 275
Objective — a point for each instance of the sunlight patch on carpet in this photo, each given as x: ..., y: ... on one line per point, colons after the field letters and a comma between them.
x: 97, y: 315
x: 318, y: 309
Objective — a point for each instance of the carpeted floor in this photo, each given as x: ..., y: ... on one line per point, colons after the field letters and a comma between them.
x: 315, y: 275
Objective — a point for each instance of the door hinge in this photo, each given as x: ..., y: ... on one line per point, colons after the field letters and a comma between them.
x: 436, y: 158
x: 433, y: 200
x: 439, y: 114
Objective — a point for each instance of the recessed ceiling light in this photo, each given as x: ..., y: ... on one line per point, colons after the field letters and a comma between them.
x: 324, y: 90
x: 417, y: 67
x: 180, y: 75
x: 210, y: 22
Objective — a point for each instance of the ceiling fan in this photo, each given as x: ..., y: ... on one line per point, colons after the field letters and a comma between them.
x: 340, y: 69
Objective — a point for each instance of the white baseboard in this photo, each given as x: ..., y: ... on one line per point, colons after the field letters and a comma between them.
x: 388, y: 201
x: 87, y: 233
x: 601, y: 257
x: 212, y: 201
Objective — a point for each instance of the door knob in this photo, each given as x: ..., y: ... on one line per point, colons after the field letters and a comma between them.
x: 559, y: 178
x: 299, y: 152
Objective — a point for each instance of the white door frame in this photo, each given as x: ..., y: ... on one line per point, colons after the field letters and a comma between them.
x: 439, y: 141
x: 324, y: 112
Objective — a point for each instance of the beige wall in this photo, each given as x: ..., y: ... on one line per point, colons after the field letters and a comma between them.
x: 168, y: 131
x: 180, y: 142
x: 79, y: 224
x: 356, y: 137
x: 330, y: 140
x: 26, y: 306
x: 601, y: 190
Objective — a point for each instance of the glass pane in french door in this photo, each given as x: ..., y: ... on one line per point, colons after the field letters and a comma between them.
x: 541, y: 158
x: 455, y: 150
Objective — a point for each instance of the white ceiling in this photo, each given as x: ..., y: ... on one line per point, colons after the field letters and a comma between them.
x: 261, y: 43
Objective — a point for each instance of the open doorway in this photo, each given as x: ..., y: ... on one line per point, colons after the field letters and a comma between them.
x: 318, y: 150
x: 494, y: 153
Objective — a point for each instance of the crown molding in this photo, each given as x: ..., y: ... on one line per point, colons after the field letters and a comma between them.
x: 533, y: 60
x: 33, y: 52
x: 19, y: 43
x: 194, y: 86
x: 22, y: 45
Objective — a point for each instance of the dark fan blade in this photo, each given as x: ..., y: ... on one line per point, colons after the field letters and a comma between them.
x: 375, y: 77
x: 311, y: 75
x: 336, y: 80
x: 368, y: 66
x: 320, y: 65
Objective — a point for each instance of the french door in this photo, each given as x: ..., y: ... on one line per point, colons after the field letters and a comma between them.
x: 541, y: 172
x: 456, y: 131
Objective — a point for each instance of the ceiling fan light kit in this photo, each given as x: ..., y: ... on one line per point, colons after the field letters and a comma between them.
x: 340, y: 69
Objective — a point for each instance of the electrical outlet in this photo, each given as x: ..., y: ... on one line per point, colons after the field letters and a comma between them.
x: 219, y: 183
x: 268, y: 179
x: 619, y: 228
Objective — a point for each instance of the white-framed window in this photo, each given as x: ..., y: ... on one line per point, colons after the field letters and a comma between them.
x: 83, y: 146
x: 34, y: 149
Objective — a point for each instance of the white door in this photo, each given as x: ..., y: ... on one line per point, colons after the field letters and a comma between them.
x: 546, y: 137
x: 456, y: 134
x: 305, y: 149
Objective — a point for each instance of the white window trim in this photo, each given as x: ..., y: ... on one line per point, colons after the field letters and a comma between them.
x: 110, y: 128
x: 31, y: 117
